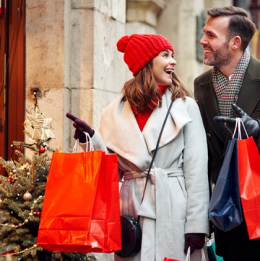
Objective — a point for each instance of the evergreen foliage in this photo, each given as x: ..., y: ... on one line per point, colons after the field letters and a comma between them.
x: 22, y: 193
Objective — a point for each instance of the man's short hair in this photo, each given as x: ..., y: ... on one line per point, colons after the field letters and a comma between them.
x: 240, y: 24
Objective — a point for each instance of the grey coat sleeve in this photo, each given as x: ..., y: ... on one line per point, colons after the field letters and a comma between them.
x: 196, y: 172
x: 97, y: 142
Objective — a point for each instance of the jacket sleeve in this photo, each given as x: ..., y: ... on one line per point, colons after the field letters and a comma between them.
x: 97, y: 142
x: 195, y: 168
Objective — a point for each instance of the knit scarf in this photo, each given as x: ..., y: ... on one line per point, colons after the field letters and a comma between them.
x: 227, y: 91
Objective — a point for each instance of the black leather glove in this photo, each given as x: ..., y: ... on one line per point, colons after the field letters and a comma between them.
x: 194, y: 241
x: 80, y: 126
x: 251, y: 125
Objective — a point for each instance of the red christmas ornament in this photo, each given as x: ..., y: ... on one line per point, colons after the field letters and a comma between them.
x: 7, y: 253
x: 38, y: 214
x: 10, y: 180
x: 41, y: 150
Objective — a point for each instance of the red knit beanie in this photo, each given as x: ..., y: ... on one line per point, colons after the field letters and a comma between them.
x: 140, y: 49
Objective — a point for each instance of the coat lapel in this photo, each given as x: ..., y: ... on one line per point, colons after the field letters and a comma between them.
x: 177, y: 119
x: 250, y: 91
x: 121, y: 134
x: 209, y: 100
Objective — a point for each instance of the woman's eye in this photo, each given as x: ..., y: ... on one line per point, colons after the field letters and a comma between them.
x: 165, y: 55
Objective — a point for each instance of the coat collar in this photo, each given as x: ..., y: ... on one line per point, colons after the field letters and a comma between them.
x: 247, y: 100
x: 177, y: 119
x: 209, y: 100
x: 121, y: 134
x: 250, y: 90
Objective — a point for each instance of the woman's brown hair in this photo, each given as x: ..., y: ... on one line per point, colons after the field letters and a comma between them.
x: 143, y: 93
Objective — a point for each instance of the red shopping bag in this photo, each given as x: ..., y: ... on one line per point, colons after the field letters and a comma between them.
x: 169, y: 259
x: 81, y: 211
x: 249, y: 184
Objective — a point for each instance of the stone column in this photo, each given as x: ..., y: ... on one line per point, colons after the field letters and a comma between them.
x: 217, y: 3
x: 141, y: 18
x: 177, y: 22
x: 95, y: 71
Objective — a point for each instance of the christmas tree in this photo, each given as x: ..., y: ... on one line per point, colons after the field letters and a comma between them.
x: 22, y: 192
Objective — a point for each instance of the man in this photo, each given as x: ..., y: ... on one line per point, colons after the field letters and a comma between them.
x: 235, y: 79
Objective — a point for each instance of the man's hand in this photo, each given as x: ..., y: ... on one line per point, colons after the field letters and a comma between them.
x: 251, y: 125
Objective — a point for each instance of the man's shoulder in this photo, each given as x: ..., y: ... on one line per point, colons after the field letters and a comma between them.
x: 204, y: 77
x: 254, y: 68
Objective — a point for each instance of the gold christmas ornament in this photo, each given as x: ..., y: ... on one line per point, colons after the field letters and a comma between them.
x: 27, y: 196
x: 41, y: 126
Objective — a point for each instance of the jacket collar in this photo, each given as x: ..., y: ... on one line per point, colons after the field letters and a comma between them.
x: 250, y: 91
x: 209, y: 100
x: 247, y: 100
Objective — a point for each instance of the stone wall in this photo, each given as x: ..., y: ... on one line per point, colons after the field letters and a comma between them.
x: 45, y: 59
x: 96, y: 69
x: 71, y: 56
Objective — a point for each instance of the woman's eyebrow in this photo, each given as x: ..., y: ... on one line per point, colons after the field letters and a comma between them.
x: 166, y: 51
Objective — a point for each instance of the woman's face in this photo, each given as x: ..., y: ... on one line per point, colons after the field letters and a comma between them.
x: 163, y: 67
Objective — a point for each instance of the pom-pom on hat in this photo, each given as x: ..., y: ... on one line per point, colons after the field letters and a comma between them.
x: 140, y: 49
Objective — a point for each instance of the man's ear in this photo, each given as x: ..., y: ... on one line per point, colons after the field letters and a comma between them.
x: 235, y: 43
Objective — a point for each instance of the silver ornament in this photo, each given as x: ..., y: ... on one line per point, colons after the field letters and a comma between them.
x: 27, y: 196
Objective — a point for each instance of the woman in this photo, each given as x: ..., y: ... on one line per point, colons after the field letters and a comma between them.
x: 174, y: 211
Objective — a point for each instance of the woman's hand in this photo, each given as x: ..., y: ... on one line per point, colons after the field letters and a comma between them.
x: 194, y: 241
x: 81, y: 127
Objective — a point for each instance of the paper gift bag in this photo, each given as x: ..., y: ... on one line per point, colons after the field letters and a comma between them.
x: 211, y: 251
x: 81, y: 211
x: 225, y: 207
x: 249, y: 184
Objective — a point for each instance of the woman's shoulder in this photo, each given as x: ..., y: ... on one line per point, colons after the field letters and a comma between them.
x: 116, y: 104
x: 188, y: 106
x: 188, y: 102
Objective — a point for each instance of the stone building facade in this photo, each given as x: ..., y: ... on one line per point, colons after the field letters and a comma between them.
x: 71, y: 51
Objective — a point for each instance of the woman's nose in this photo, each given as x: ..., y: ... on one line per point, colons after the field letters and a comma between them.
x: 173, y: 61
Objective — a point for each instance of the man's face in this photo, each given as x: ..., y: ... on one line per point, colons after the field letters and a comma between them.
x: 217, y: 51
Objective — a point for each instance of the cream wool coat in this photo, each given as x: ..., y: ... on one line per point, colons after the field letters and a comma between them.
x: 176, y: 198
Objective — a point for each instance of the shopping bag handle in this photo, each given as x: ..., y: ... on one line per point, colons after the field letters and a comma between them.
x: 203, y: 258
x: 89, y: 144
x: 239, y: 122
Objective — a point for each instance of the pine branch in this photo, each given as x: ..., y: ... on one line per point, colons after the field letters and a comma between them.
x: 11, y: 205
x: 22, y: 157
x: 19, y: 144
x: 15, y: 184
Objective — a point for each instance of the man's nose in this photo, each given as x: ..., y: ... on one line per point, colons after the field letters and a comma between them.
x: 203, y: 40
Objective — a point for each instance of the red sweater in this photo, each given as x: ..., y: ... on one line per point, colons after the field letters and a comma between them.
x: 143, y: 117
